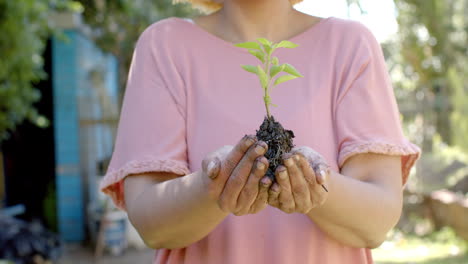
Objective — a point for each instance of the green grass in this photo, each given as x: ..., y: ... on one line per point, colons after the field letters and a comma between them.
x: 442, y: 247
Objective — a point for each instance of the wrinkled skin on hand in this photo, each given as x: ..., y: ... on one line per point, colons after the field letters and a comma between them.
x: 300, y: 182
x: 235, y: 176
x: 236, y: 179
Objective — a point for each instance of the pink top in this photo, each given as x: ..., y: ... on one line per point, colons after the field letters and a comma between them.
x: 187, y: 96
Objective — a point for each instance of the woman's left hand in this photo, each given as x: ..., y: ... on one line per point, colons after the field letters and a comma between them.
x: 302, y: 183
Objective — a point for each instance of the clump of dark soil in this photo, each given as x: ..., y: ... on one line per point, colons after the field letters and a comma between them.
x: 279, y: 141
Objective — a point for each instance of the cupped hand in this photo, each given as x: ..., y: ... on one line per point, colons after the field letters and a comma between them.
x: 235, y: 176
x: 301, y: 182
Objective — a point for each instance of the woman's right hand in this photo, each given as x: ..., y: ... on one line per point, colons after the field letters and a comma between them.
x: 235, y: 176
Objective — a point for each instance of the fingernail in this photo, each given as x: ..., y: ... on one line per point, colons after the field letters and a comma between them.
x: 282, y: 175
x: 275, y: 188
x: 265, y: 182
x: 249, y: 142
x: 324, y: 175
x: 296, y: 157
x: 211, y: 166
x: 259, y: 150
x: 322, y: 172
x: 260, y: 166
x: 288, y: 162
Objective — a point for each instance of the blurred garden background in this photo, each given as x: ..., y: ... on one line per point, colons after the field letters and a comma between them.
x: 63, y: 68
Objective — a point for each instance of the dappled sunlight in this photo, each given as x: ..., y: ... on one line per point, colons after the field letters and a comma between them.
x: 441, y: 247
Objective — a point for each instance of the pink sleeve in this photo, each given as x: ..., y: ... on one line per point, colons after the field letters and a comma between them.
x: 151, y: 131
x: 367, y: 115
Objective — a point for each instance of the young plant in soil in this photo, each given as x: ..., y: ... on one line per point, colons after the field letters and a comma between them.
x: 279, y: 140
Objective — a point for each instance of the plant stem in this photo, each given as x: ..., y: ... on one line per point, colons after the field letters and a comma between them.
x: 266, y: 95
x: 267, y: 107
x: 267, y: 70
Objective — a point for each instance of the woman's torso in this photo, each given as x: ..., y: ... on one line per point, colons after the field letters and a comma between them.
x: 221, y: 103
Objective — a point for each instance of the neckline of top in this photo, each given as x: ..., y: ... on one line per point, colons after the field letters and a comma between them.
x: 294, y: 38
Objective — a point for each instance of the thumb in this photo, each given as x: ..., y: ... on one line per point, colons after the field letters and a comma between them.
x: 211, y: 166
x: 322, y: 172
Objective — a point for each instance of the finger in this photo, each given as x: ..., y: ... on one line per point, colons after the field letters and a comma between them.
x: 321, y: 169
x: 230, y: 159
x: 220, y: 154
x: 308, y: 171
x: 316, y: 190
x: 239, y: 176
x: 212, y: 163
x: 273, y: 195
x: 322, y: 172
x: 236, y: 154
x: 250, y: 191
x: 213, y: 168
x: 299, y: 186
x: 310, y: 154
x: 262, y: 197
x: 286, y: 199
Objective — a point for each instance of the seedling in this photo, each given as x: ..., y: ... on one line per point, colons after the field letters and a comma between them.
x: 269, y: 73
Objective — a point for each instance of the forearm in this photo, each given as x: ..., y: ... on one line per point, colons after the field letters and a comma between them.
x: 175, y: 213
x: 357, y: 213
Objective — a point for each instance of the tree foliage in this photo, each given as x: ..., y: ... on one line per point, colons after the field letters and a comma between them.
x: 428, y: 64
x: 430, y: 56
x: 115, y: 24
x: 23, y: 27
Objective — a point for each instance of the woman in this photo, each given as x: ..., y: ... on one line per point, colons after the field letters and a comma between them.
x: 187, y: 99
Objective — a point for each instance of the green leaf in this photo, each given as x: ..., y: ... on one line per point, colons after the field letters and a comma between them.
x: 250, y: 68
x: 284, y: 78
x: 263, y: 76
x: 248, y: 45
x: 268, y: 49
x: 286, y: 44
x: 265, y: 41
x: 267, y: 45
x: 291, y: 70
x: 275, y: 70
x: 275, y: 61
x: 258, y: 54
